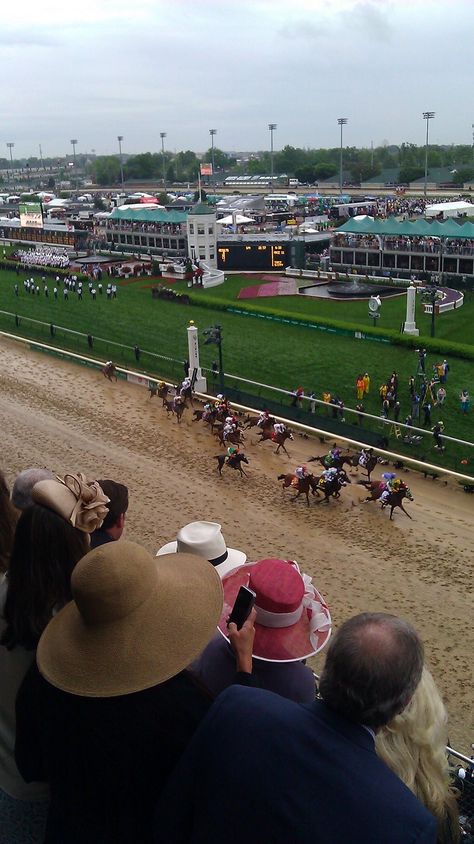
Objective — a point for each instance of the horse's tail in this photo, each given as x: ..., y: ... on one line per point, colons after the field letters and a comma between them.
x: 281, y: 477
x: 367, y: 484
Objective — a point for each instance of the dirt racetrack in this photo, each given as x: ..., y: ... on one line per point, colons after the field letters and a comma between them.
x: 69, y: 418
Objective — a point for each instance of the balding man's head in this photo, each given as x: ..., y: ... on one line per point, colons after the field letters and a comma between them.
x: 373, y: 666
x: 24, y: 483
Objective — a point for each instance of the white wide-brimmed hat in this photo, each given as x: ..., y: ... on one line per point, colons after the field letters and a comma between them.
x: 205, y: 539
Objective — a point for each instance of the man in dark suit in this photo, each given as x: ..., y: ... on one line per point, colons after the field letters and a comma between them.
x: 265, y: 770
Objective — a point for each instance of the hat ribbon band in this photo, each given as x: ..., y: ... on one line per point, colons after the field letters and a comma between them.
x: 278, y: 619
x: 218, y: 560
x: 320, y: 620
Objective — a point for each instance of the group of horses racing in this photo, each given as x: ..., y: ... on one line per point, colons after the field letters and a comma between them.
x: 229, y: 430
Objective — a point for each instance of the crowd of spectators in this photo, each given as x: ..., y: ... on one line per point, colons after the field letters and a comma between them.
x: 43, y: 256
x: 449, y: 246
x: 132, y: 709
x: 139, y: 226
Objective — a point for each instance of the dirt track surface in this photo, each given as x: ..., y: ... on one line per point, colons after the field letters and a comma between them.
x: 69, y: 418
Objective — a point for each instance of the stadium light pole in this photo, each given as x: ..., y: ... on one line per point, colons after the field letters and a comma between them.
x: 427, y: 115
x: 342, y: 122
x: 472, y: 127
x: 212, y: 132
x: 163, y: 136
x: 10, y: 146
x: 272, y: 127
x: 74, y: 142
x: 120, y: 139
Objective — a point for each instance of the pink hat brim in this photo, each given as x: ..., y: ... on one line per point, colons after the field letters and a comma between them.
x: 282, y: 644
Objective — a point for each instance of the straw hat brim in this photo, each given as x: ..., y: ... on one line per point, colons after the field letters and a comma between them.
x: 157, y: 641
x: 234, y: 559
x: 283, y: 644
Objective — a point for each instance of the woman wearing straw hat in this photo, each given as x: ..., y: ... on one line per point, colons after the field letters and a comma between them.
x: 51, y: 537
x: 112, y: 708
x: 292, y: 623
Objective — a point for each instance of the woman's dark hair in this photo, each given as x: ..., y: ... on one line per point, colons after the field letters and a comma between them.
x: 46, y: 549
x: 8, y: 518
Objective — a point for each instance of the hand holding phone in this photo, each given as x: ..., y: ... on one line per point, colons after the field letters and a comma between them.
x: 242, y: 607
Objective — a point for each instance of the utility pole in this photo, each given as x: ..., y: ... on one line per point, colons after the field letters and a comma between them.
x: 272, y: 127
x: 163, y: 136
x: 342, y: 122
x: 427, y: 115
x: 212, y: 132
x: 120, y: 139
x: 10, y: 146
x: 74, y: 142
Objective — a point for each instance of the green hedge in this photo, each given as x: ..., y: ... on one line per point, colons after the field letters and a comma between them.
x: 431, y: 344
x: 5, y: 264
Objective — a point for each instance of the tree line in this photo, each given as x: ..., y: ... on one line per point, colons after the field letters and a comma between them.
x: 307, y: 165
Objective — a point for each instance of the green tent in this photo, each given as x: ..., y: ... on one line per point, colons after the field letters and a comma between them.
x: 148, y: 214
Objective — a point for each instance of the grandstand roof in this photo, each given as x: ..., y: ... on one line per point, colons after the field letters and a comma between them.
x: 417, y: 228
x: 148, y: 214
x: 390, y: 176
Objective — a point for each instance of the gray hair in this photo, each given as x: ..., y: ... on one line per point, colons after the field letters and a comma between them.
x: 24, y: 483
x: 373, y: 666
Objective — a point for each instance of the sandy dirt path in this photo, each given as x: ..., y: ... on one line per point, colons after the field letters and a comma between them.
x: 69, y: 418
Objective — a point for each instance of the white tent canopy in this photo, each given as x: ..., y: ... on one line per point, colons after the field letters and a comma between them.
x: 450, y: 209
x: 234, y: 220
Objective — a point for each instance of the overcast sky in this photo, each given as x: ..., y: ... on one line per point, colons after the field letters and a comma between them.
x: 95, y: 69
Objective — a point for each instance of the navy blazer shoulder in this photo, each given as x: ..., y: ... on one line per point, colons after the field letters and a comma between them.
x: 266, y: 770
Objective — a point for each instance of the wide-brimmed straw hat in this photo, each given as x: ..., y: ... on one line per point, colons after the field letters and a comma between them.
x: 293, y: 620
x: 134, y: 621
x: 206, y: 540
x: 81, y: 502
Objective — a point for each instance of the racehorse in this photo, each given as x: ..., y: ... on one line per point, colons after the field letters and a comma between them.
x: 177, y: 408
x: 369, y: 466
x: 109, y: 371
x: 161, y: 390
x: 186, y: 394
x: 276, y: 438
x: 302, y: 485
x: 332, y: 488
x: 233, y: 460
x: 337, y: 462
x: 252, y: 422
x: 395, y: 499
x: 235, y: 437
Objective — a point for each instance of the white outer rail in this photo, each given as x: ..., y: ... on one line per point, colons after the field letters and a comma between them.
x: 142, y: 378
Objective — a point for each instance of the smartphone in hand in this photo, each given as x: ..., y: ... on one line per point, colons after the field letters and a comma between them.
x: 243, y: 606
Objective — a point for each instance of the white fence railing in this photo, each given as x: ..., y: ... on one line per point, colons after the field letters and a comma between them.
x: 145, y: 379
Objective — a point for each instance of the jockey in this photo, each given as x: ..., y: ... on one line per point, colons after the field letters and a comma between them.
x: 301, y: 472
x: 332, y: 456
x: 184, y: 386
x: 279, y: 428
x: 263, y: 418
x: 232, y: 451
x: 230, y: 426
x: 391, y: 484
x: 328, y: 475
x: 365, y: 456
x: 177, y: 401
